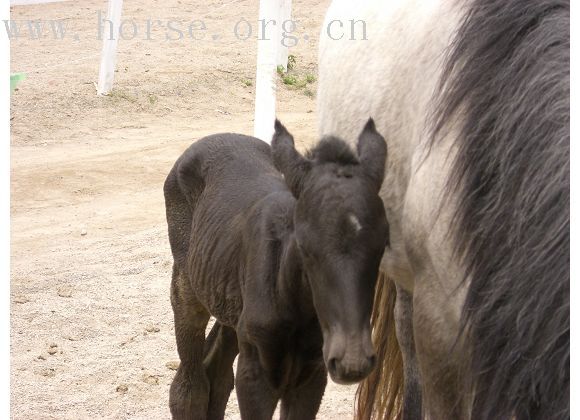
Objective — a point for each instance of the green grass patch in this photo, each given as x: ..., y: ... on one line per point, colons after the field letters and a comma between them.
x: 289, y: 79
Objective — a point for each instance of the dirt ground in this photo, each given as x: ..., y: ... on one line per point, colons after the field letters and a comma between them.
x: 91, y: 322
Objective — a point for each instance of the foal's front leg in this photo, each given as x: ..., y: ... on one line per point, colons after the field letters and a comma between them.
x: 257, y: 398
x: 189, y: 393
x: 303, y: 401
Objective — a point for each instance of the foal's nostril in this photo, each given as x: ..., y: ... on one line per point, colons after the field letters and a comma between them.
x: 332, y: 365
x: 372, y: 361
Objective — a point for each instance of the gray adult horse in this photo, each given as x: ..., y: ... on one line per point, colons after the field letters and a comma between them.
x: 473, y: 100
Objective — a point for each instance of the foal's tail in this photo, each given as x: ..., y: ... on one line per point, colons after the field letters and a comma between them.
x: 380, y: 395
x: 182, y: 187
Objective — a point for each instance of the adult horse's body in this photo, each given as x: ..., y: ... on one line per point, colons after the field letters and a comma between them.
x: 473, y: 98
x: 286, y: 264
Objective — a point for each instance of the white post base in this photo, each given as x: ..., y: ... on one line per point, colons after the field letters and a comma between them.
x: 284, y: 15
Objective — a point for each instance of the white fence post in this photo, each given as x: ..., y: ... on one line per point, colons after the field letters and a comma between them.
x: 265, y: 111
x: 284, y: 15
x: 110, y: 38
x: 271, y: 53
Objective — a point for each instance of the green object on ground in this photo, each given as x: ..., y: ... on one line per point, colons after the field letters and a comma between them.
x: 15, y: 78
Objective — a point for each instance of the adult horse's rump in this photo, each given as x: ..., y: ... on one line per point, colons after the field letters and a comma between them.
x: 473, y: 98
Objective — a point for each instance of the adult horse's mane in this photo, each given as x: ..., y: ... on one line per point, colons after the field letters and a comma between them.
x: 507, y: 82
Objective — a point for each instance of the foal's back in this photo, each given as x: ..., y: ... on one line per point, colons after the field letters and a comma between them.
x: 230, y: 163
x: 209, y: 193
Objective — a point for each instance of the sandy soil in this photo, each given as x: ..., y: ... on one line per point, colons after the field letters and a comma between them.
x: 91, y: 323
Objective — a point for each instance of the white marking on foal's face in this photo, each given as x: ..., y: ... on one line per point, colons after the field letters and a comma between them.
x: 354, y: 222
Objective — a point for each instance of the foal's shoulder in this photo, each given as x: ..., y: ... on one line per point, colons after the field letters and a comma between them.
x: 277, y: 212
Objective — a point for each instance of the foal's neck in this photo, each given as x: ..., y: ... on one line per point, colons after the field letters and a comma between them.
x: 292, y: 282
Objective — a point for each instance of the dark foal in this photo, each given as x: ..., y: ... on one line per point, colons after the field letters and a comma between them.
x: 286, y: 264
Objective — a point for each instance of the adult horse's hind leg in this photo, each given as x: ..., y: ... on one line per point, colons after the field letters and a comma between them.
x: 441, y: 354
x: 189, y: 393
x: 404, y: 328
x: 303, y: 402
x: 220, y: 351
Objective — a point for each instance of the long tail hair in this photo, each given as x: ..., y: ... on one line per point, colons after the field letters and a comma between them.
x: 380, y: 395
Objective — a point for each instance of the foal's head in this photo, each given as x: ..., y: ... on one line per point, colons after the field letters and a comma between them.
x: 341, y: 231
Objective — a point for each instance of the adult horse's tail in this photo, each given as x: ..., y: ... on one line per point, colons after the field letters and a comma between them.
x: 380, y: 396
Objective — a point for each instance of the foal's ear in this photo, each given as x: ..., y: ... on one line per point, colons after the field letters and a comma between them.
x: 372, y: 153
x: 287, y: 160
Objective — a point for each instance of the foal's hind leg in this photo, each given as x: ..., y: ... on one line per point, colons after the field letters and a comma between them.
x: 303, y: 402
x: 404, y: 327
x: 189, y: 393
x: 220, y: 351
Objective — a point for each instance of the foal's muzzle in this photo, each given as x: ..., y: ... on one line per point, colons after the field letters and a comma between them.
x: 349, y: 359
x: 346, y: 372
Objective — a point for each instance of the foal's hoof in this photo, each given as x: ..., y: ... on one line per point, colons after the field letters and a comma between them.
x: 186, y: 402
